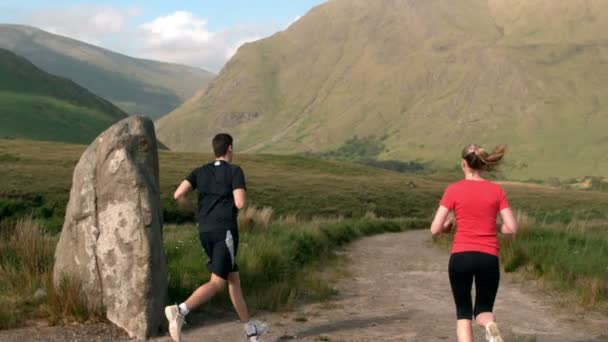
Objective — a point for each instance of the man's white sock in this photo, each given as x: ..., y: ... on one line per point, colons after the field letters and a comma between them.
x: 183, y: 309
x: 251, y: 329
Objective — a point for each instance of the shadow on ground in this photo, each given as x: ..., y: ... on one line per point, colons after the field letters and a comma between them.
x: 348, y: 324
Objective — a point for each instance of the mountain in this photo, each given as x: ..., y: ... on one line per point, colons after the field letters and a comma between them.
x: 422, y: 78
x: 137, y: 86
x: 37, y: 105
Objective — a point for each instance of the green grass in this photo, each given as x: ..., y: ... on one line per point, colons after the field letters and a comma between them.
x: 570, y: 259
x: 26, y: 265
x: 35, y: 177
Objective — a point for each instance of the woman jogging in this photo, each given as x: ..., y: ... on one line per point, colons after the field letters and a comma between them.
x: 476, y: 203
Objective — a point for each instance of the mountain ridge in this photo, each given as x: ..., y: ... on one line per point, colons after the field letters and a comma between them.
x: 426, y: 76
x: 37, y: 105
x: 138, y: 86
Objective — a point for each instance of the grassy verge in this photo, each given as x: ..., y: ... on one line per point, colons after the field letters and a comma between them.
x: 26, y: 287
x: 279, y: 264
x: 276, y: 263
x: 571, y: 259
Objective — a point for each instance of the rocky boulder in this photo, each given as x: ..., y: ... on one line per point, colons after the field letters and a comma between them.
x: 112, y: 236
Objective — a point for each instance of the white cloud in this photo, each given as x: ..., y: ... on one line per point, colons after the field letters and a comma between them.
x: 179, y: 37
x: 87, y: 23
x: 180, y: 25
x: 184, y: 38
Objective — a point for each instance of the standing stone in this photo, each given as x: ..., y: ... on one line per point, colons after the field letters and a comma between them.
x: 112, y: 236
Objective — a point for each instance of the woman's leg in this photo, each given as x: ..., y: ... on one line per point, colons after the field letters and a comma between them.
x: 461, y: 281
x: 464, y: 331
x: 487, y: 280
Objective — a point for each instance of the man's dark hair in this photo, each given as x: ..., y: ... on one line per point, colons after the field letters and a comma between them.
x: 221, y: 142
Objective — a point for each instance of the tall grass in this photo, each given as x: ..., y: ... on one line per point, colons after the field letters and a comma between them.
x: 278, y: 263
x: 254, y: 218
x: 570, y: 258
x: 26, y: 265
x: 279, y: 260
x: 572, y: 261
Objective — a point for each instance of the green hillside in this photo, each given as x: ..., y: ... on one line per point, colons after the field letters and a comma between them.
x: 37, y: 105
x: 424, y: 78
x: 137, y: 86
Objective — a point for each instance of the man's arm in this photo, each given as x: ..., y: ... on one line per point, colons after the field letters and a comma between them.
x: 181, y: 198
x: 240, y: 198
x: 239, y: 188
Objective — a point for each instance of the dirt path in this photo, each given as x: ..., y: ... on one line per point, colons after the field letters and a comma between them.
x: 398, y: 290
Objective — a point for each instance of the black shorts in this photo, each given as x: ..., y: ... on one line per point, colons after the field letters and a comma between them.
x: 484, y: 269
x: 221, y: 246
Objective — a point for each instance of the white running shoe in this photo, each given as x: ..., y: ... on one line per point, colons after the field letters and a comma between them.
x: 492, y: 333
x: 176, y: 321
x: 255, y: 330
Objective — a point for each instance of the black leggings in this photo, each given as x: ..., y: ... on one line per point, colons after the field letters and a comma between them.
x: 484, y: 268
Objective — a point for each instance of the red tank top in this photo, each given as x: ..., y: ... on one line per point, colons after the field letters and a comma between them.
x: 476, y: 205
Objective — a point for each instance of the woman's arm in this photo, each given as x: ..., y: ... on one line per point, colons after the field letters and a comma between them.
x: 509, y: 223
x: 440, y: 222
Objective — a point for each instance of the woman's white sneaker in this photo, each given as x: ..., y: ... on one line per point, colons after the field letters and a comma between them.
x: 492, y: 333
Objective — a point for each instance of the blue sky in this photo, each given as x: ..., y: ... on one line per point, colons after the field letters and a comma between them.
x: 202, y: 33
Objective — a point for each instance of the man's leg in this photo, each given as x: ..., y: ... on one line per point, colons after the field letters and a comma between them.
x: 205, y: 292
x: 175, y: 314
x: 236, y: 296
x: 253, y: 329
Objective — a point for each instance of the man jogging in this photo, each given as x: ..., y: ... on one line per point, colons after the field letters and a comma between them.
x: 221, y: 193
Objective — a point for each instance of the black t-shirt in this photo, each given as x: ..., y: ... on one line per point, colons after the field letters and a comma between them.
x: 215, y: 183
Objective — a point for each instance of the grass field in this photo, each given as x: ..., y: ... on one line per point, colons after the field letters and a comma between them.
x: 35, y: 178
x: 566, y: 255
x: 312, y: 207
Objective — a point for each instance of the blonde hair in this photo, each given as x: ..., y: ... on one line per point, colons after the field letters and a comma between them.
x: 479, y: 159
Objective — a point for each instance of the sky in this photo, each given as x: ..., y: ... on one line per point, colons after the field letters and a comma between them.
x: 203, y: 33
